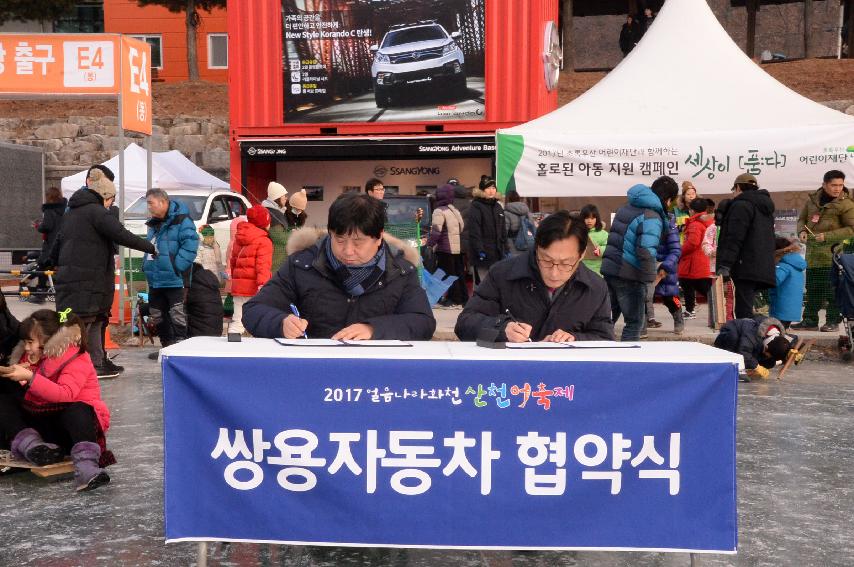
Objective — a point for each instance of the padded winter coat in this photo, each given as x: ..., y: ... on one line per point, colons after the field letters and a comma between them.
x: 583, y: 306
x: 634, y: 237
x: 395, y: 306
x: 787, y: 298
x: 77, y: 382
x: 204, y: 304
x: 446, y: 230
x: 49, y: 227
x: 668, y: 255
x: 486, y: 229
x: 177, y: 244
x: 251, y: 260
x: 85, y: 269
x: 694, y: 263
x: 835, y: 220
x: 746, y: 242
x: 745, y: 336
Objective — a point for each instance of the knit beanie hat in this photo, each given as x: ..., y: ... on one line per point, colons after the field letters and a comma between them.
x: 259, y: 216
x: 486, y: 182
x: 299, y: 200
x: 99, y: 183
x: 275, y: 191
x: 207, y: 230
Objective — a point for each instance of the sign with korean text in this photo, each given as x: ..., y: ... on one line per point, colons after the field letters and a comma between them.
x: 551, y: 165
x: 55, y: 64
x: 136, y: 85
x: 451, y: 453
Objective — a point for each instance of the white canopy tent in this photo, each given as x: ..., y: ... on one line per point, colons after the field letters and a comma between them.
x: 170, y: 171
x: 686, y: 102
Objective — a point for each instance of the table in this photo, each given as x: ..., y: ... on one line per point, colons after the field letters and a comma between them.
x: 449, y: 445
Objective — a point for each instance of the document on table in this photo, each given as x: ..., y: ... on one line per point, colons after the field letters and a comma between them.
x: 533, y: 345
x: 339, y: 343
x: 582, y: 345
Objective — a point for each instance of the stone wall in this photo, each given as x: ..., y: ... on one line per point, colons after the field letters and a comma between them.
x: 80, y: 141
x: 779, y: 29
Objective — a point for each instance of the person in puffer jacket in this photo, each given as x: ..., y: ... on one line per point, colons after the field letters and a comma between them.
x: 251, y: 262
x: 629, y: 264
x: 173, y: 232
x: 761, y: 340
x: 667, y: 282
x: 787, y: 297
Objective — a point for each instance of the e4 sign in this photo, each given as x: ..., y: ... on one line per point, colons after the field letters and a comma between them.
x: 136, y: 86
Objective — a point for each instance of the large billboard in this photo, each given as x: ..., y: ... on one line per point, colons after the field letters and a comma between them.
x: 383, y: 60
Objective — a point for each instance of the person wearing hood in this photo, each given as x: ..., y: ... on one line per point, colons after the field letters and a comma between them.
x: 85, y: 267
x: 745, y: 251
x: 826, y: 219
x: 544, y: 294
x: 351, y: 282
x: 445, y: 234
x: 251, y: 260
x: 295, y: 214
x: 787, y: 297
x: 174, y: 234
x: 514, y: 211
x: 629, y: 264
x: 487, y: 232
x: 760, y: 340
x: 694, y: 266
x: 276, y: 204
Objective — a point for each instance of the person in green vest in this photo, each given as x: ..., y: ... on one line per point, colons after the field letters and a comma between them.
x: 682, y: 208
x: 597, y: 237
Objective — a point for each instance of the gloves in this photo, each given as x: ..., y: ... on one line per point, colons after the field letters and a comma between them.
x: 759, y: 372
x: 481, y: 256
x: 723, y: 271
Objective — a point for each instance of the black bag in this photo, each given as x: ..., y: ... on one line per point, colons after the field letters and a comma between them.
x: 429, y: 259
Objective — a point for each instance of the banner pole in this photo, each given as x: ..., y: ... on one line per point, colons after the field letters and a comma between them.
x: 121, y: 192
x: 202, y: 554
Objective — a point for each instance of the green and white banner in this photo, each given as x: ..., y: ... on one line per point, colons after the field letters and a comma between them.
x: 540, y: 163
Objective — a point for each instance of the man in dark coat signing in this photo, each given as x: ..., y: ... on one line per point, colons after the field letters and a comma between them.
x: 545, y: 294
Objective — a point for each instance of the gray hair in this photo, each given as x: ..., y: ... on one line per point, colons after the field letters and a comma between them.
x: 157, y: 194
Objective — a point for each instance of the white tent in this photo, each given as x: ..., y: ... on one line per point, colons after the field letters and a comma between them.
x: 686, y: 102
x: 170, y: 171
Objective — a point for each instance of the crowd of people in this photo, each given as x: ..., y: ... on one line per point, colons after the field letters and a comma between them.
x: 564, y: 278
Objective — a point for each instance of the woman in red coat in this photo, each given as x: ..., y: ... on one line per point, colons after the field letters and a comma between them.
x: 694, y: 268
x: 251, y: 261
x: 50, y: 400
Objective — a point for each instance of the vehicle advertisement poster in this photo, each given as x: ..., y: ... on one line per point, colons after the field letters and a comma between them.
x: 383, y: 60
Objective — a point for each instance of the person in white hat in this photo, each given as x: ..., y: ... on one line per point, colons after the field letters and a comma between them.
x: 277, y: 205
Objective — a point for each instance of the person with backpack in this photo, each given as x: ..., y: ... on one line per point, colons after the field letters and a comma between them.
x: 521, y: 227
x: 445, y: 234
x: 173, y: 232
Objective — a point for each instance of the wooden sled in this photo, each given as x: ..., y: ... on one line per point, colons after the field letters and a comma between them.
x: 796, y: 355
x: 7, y: 462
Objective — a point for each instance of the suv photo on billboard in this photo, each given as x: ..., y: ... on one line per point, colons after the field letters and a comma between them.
x: 417, y: 54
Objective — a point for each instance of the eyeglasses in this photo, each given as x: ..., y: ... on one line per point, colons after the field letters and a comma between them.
x: 560, y: 266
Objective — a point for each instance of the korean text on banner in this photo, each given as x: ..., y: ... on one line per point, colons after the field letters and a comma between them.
x: 136, y: 85
x: 58, y: 64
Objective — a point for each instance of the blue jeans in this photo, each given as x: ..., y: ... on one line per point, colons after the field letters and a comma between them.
x: 629, y: 298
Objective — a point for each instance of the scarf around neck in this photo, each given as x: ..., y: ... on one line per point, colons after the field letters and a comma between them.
x: 356, y: 279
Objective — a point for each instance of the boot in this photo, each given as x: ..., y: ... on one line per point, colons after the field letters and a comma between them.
x: 29, y: 445
x: 87, y: 474
x: 678, y: 322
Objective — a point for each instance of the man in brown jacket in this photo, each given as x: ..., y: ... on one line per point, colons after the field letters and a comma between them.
x: 826, y: 219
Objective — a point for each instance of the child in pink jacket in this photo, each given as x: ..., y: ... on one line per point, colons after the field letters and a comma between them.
x: 50, y: 399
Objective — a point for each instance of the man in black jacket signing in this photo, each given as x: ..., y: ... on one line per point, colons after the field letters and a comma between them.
x: 350, y: 283
x: 546, y: 294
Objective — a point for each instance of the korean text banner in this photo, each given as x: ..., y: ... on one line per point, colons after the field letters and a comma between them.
x: 54, y: 64
x: 451, y: 454
x: 546, y: 164
x: 136, y: 85
x: 383, y: 60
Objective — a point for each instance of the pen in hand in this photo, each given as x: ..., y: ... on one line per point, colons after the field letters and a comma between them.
x: 513, y: 319
x: 295, y: 311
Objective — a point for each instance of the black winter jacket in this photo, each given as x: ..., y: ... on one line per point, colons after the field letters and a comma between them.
x: 85, y: 268
x: 396, y: 306
x: 49, y: 227
x: 204, y: 304
x: 745, y: 336
x: 583, y: 307
x: 486, y: 230
x: 746, y: 242
x: 8, y: 332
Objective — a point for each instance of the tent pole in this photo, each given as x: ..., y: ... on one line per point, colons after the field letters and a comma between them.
x: 751, y: 6
x: 148, y: 165
x: 566, y: 35
x: 121, y: 209
x: 807, y: 27
x: 850, y: 42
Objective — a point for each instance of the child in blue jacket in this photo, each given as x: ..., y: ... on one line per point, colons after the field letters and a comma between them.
x: 787, y: 298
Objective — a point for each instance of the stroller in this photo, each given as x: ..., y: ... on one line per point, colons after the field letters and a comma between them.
x: 28, y: 284
x: 842, y: 278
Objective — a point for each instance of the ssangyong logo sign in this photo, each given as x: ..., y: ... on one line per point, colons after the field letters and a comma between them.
x: 251, y: 151
x: 380, y: 171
